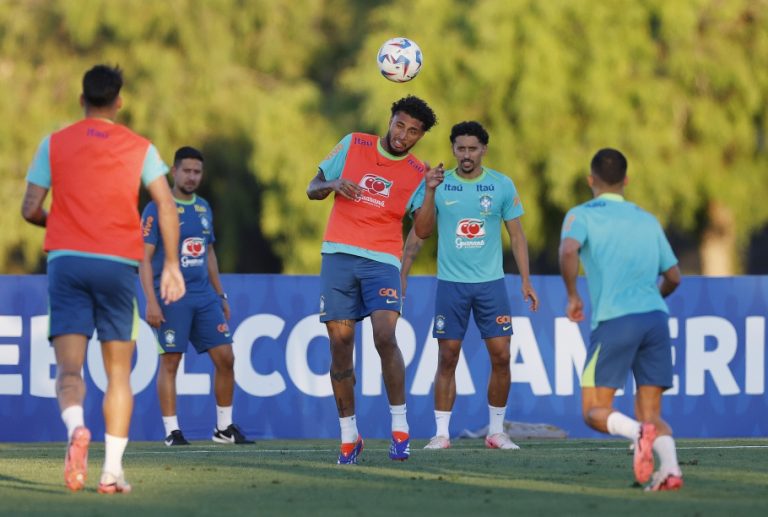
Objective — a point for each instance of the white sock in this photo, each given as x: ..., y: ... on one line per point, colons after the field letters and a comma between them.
x: 619, y: 424
x: 399, y: 421
x: 442, y: 422
x: 114, y: 447
x: 171, y: 423
x: 72, y: 417
x: 665, y: 448
x: 223, y: 417
x: 496, y: 419
x: 348, y: 429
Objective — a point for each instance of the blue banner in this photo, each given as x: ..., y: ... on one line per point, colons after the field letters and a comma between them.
x: 282, y: 361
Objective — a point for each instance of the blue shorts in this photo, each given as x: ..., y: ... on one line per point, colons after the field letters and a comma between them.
x: 637, y: 342
x: 353, y: 287
x: 197, y: 318
x: 488, y: 302
x: 87, y: 293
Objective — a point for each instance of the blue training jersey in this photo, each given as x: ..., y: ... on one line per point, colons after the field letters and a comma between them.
x: 470, y: 214
x: 623, y: 250
x: 196, y: 233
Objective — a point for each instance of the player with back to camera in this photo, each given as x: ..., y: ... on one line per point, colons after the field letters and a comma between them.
x: 623, y: 250
x: 376, y: 181
x: 94, y: 168
x: 201, y: 316
x: 471, y: 205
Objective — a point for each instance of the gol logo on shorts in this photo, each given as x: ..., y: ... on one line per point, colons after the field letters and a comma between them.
x: 501, y: 320
x: 388, y: 292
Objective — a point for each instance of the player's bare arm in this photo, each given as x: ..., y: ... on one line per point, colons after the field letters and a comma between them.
x: 32, y: 206
x: 412, y: 246
x: 425, y: 217
x: 154, y: 314
x: 215, y: 279
x: 670, y: 280
x: 569, y: 270
x: 520, y: 252
x: 319, y: 188
x: 172, y: 285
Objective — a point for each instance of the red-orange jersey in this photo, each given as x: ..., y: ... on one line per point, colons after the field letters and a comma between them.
x: 373, y: 221
x: 96, y: 170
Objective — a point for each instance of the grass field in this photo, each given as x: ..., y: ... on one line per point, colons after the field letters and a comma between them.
x: 563, y: 477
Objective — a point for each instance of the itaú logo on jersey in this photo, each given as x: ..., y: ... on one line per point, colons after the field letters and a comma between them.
x: 470, y: 233
x: 376, y: 185
x: 192, y: 251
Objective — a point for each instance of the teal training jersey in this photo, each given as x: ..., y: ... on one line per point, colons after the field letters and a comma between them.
x: 623, y: 250
x: 469, y: 220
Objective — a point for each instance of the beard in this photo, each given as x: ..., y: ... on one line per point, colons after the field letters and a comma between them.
x: 392, y: 148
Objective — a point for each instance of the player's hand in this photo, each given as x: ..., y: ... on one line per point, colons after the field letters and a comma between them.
x: 530, y: 296
x: 172, y: 285
x: 154, y: 315
x: 346, y: 188
x: 575, y: 309
x: 434, y: 176
x: 226, y: 309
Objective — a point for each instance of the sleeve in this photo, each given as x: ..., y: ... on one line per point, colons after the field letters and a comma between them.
x: 417, y: 198
x: 149, y: 227
x: 212, y: 239
x: 39, y: 172
x: 333, y: 164
x: 574, y: 226
x: 154, y: 167
x: 667, y: 257
x: 512, y: 207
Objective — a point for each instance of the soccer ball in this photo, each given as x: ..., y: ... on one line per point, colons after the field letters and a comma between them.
x: 399, y: 59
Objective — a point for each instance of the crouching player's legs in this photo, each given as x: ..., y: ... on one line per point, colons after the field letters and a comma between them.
x: 653, y: 374
x: 612, y: 349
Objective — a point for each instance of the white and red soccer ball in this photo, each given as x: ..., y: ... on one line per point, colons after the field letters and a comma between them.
x: 399, y: 59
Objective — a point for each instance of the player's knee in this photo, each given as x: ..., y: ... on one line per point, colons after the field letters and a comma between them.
x: 447, y: 361
x: 500, y: 360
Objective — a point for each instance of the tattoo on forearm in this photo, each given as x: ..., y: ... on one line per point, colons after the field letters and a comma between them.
x: 340, y: 376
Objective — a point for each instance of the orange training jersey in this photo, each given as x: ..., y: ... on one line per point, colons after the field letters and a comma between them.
x: 374, y: 221
x: 96, y: 169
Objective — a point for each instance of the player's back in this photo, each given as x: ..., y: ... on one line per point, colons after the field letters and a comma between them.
x: 623, y: 251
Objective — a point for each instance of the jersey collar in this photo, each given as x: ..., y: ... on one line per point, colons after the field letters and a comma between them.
x: 610, y: 196
x: 183, y: 202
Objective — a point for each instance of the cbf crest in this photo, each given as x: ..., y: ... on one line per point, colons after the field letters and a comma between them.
x: 486, y: 204
x: 206, y: 224
x: 170, y: 337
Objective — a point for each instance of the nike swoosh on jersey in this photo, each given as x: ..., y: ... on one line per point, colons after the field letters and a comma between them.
x: 450, y: 202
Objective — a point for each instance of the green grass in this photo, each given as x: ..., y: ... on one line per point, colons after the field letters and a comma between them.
x: 564, y: 477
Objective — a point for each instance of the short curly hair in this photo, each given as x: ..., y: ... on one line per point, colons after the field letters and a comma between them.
x: 469, y: 128
x: 416, y: 108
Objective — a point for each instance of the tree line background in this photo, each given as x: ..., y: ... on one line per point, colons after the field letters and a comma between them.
x: 266, y: 88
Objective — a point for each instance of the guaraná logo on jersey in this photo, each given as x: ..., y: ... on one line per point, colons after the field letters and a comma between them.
x: 470, y: 233
x: 471, y: 228
x: 193, y: 247
x: 376, y: 185
x: 192, y: 251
